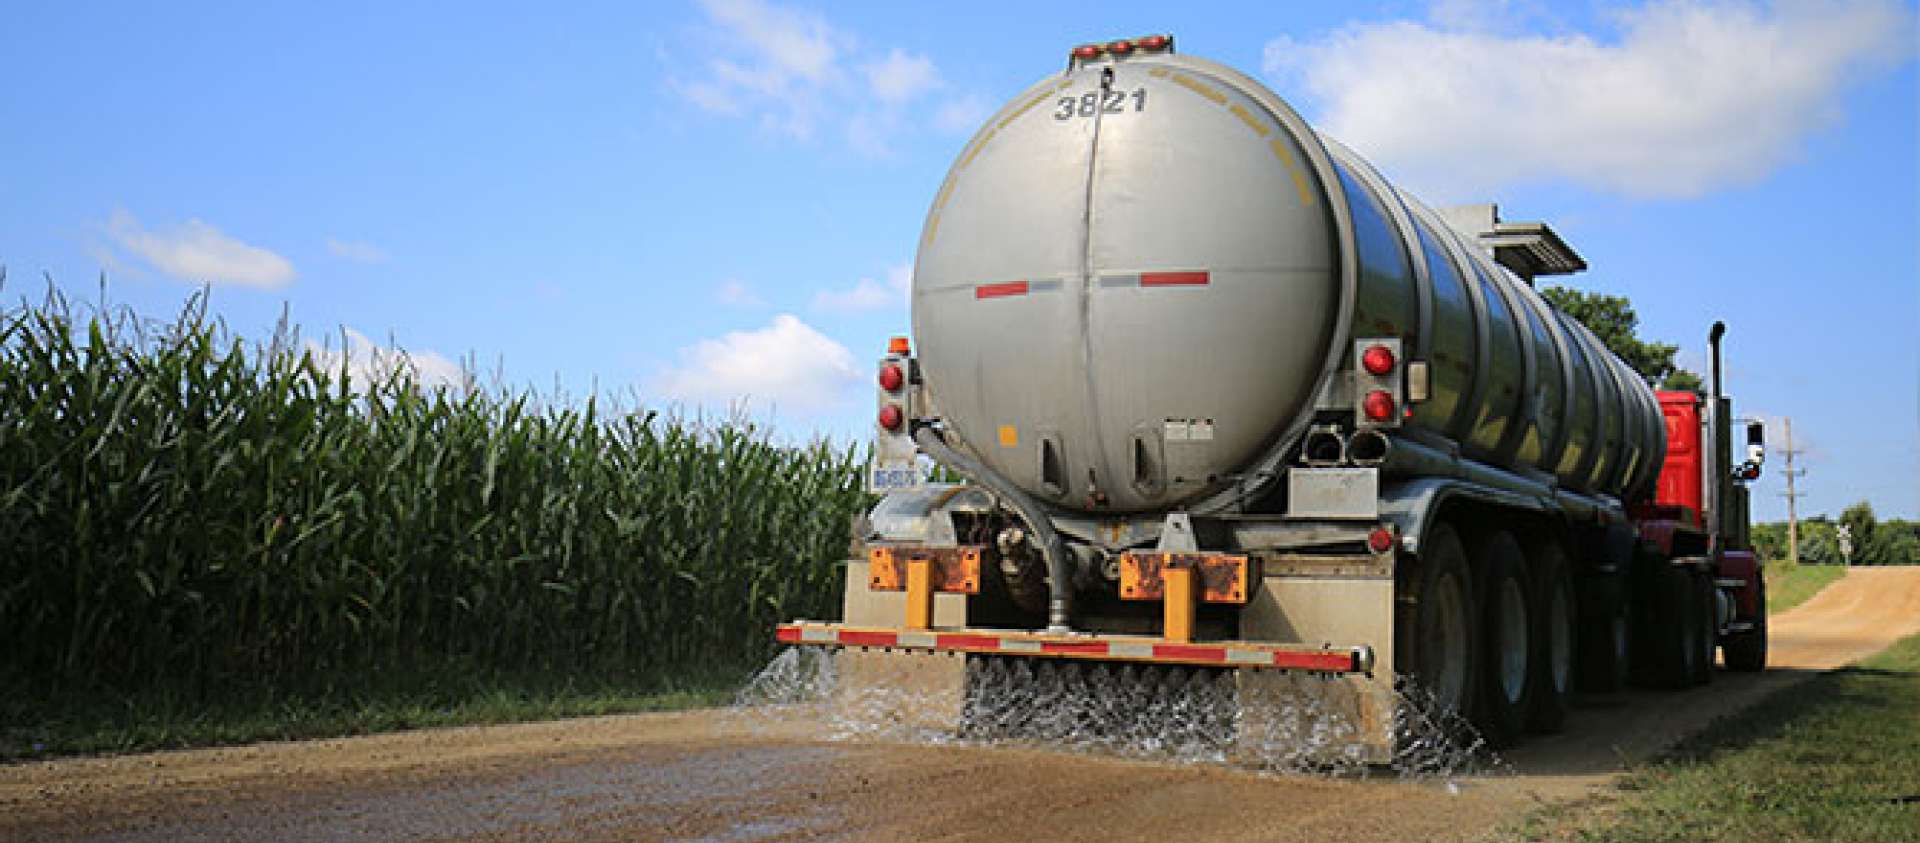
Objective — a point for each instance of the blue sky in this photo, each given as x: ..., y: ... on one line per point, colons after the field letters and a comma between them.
x: 682, y: 203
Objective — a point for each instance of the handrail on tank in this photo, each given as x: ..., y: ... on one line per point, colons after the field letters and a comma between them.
x: 1054, y: 548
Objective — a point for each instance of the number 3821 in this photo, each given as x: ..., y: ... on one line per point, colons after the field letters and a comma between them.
x: 1108, y: 102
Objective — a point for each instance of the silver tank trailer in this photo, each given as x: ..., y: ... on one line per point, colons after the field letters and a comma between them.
x: 1142, y: 276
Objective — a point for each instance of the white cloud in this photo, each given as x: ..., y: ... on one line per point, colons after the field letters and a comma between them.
x: 735, y: 293
x: 900, y: 76
x: 1694, y: 95
x: 869, y: 294
x: 795, y: 72
x: 200, y: 252
x: 366, y: 361
x: 787, y: 364
x: 356, y: 250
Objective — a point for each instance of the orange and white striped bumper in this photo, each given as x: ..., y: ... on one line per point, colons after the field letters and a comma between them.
x: 1240, y: 654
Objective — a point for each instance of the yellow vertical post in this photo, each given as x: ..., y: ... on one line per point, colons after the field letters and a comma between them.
x: 1178, y: 604
x: 919, y: 593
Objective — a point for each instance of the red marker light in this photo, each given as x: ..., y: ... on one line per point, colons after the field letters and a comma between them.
x: 1377, y: 360
x: 1154, y: 42
x: 891, y: 378
x: 1120, y: 48
x: 890, y: 417
x: 1378, y: 405
x: 1086, y: 51
x: 1380, y: 540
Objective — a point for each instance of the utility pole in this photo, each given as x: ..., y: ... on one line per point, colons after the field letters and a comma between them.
x: 1793, y: 498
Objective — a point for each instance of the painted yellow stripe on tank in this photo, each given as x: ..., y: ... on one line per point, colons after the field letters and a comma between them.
x: 1043, y: 97
x: 1258, y: 126
x: 1280, y: 151
x: 1197, y: 87
x: 968, y: 159
x: 1255, y: 124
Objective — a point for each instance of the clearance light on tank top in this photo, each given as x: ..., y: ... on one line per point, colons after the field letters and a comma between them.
x: 1378, y: 360
x: 890, y: 417
x: 1155, y: 43
x: 1380, y: 540
x: 1086, y: 51
x: 1378, y: 405
x: 891, y: 378
x: 1120, y: 47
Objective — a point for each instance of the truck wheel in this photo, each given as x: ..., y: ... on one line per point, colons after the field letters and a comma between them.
x: 1706, y: 619
x: 1675, y: 631
x: 1555, y: 636
x: 1437, y: 634
x: 1506, y: 623
x: 1747, y: 651
x: 1606, y: 649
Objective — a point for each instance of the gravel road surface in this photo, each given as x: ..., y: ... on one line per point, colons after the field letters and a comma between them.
x: 724, y: 778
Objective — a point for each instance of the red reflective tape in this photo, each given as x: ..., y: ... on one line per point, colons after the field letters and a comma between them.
x: 1173, y: 279
x: 1186, y: 651
x: 1092, y: 648
x: 789, y: 634
x: 854, y: 638
x: 994, y: 291
x: 1332, y: 661
x: 966, y: 642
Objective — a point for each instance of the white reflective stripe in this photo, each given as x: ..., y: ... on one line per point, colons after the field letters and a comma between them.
x: 1249, y: 657
x: 819, y: 635
x: 1130, y: 651
x: 1017, y: 646
x: 916, y: 639
x: 1729, y: 582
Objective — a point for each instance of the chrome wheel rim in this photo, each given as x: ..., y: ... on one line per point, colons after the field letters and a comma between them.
x: 1513, y: 640
x: 1448, y: 668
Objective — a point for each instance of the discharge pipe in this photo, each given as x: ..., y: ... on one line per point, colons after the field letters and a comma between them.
x: 1052, y: 547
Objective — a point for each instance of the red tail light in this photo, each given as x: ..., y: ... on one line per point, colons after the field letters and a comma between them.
x: 1377, y: 360
x: 1378, y: 405
x: 891, y: 378
x: 890, y: 417
x: 1380, y: 540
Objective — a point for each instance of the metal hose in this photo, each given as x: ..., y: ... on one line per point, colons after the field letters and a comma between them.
x: 1052, y: 547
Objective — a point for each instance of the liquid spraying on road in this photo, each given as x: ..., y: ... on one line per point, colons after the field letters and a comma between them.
x: 1295, y: 725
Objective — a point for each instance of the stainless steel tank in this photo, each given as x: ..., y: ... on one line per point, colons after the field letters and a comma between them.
x: 1141, y: 274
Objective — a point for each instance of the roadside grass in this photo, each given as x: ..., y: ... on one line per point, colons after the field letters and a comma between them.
x: 1789, y: 585
x: 1836, y: 758
x: 89, y: 721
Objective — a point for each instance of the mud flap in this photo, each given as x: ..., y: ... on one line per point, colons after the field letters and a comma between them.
x: 1353, y: 714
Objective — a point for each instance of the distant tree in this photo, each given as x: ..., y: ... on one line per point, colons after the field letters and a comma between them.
x: 1859, y: 521
x: 1895, y: 543
x: 1612, y: 319
x: 1770, y: 540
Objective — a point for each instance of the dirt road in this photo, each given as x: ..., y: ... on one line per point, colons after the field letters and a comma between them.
x: 705, y: 776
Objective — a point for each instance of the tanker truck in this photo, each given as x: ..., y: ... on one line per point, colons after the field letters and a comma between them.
x: 1223, y: 398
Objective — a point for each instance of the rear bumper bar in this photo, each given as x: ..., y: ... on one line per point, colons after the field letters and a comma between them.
x: 1240, y: 654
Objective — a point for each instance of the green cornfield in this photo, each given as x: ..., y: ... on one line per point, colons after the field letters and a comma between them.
x: 179, y: 505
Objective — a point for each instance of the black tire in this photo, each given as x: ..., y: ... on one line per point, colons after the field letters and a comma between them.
x: 1606, y: 647
x: 1747, y: 651
x: 1673, y: 633
x: 1706, y: 611
x: 1506, y: 633
x: 1555, y: 637
x: 1437, y: 645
